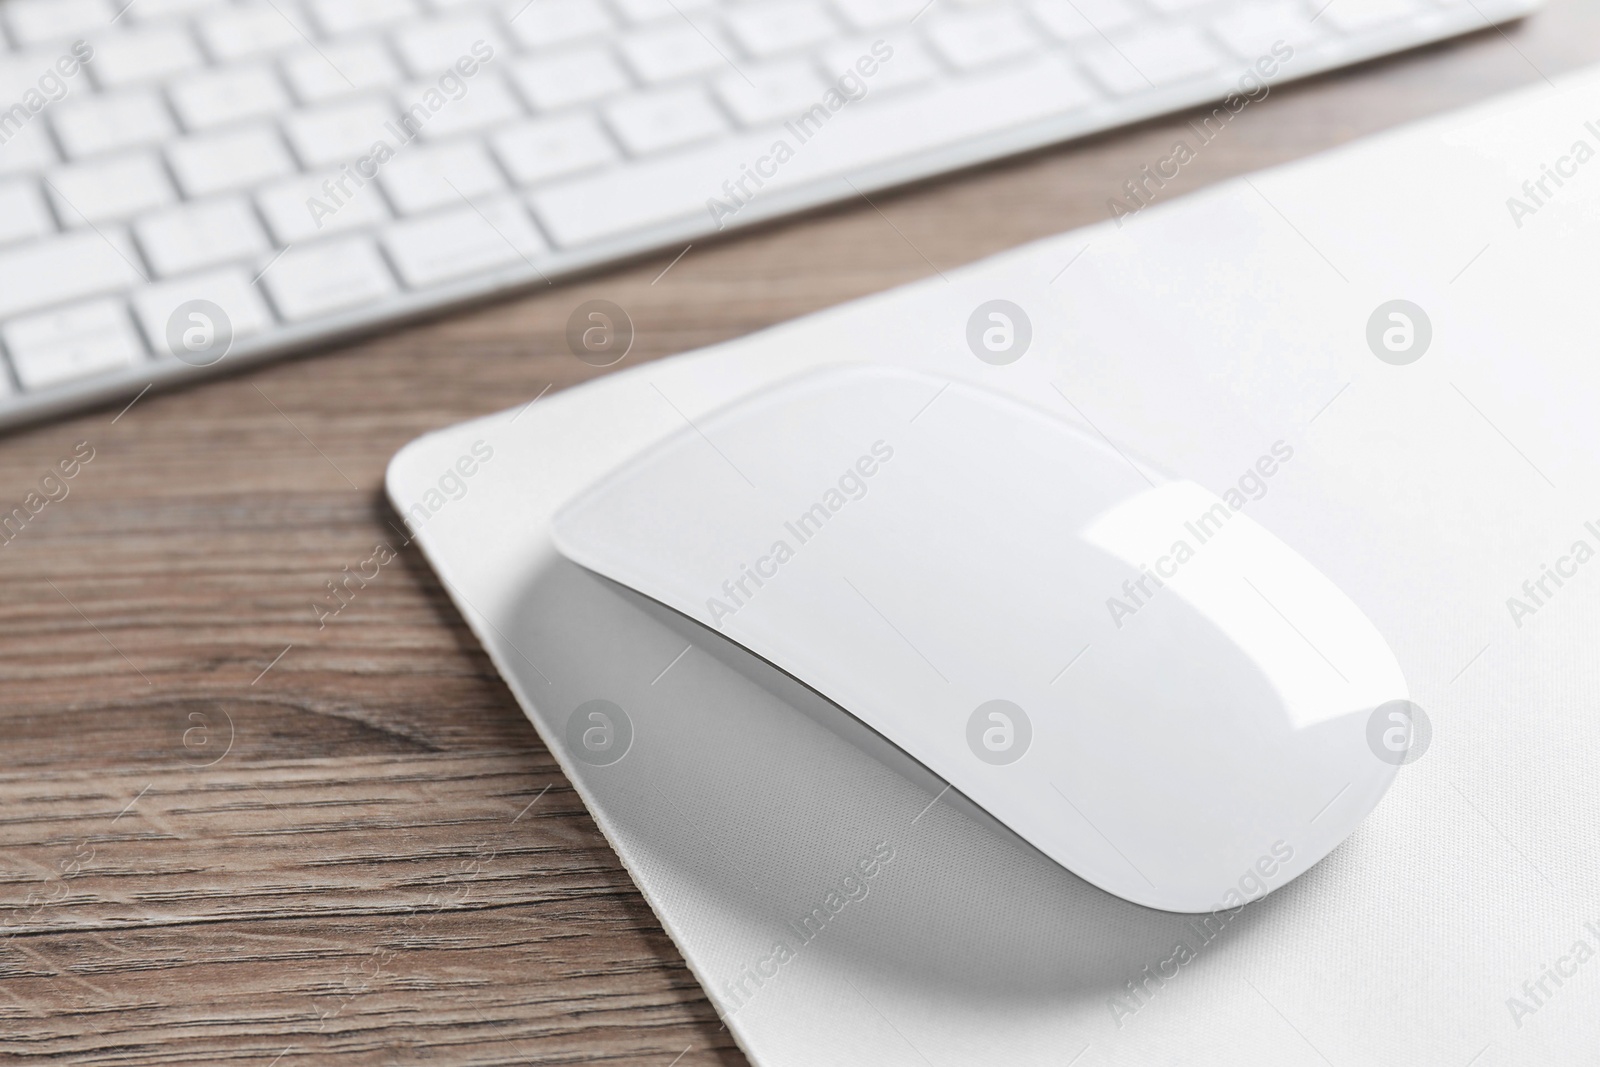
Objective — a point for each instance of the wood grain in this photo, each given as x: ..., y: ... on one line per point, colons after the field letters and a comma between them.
x: 230, y: 836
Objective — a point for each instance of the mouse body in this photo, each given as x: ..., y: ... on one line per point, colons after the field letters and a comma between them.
x: 1136, y: 678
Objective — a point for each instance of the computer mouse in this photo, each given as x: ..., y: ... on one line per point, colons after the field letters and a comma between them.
x: 1127, y: 671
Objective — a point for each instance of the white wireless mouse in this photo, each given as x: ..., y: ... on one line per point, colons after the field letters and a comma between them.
x: 1136, y: 678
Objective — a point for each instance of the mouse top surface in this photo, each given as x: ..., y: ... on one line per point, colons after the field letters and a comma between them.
x: 1136, y: 678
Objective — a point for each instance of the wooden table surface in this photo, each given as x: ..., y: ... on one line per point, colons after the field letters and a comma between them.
x: 229, y: 836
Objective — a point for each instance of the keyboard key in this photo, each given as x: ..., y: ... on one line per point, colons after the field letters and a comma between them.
x: 340, y: 70
x: 21, y: 71
x: 116, y: 187
x: 244, y: 32
x: 28, y: 150
x: 1077, y: 20
x: 871, y: 14
x: 23, y: 213
x: 624, y: 199
x: 229, y: 289
x: 237, y: 159
x: 779, y: 91
x: 307, y: 283
x: 1250, y: 30
x: 142, y: 56
x: 579, y: 76
x: 655, y: 121
x: 675, y: 51
x: 66, y: 267
x: 347, y: 16
x: 1113, y: 70
x: 1357, y: 16
x: 767, y: 29
x: 640, y: 11
x: 423, y: 179
x: 157, y: 10
x: 547, y: 23
x: 316, y: 205
x: 463, y: 242
x: 430, y: 48
x: 70, y: 343
x: 540, y: 149
x: 339, y: 133
x: 908, y: 62
x: 231, y: 94
x: 485, y: 102
x: 195, y: 236
x: 44, y: 21
x: 96, y: 124
x: 975, y: 38
x: 1152, y: 59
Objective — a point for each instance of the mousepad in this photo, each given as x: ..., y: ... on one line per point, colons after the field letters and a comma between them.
x: 1383, y: 355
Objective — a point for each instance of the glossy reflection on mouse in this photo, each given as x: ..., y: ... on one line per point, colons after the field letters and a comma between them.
x: 945, y: 563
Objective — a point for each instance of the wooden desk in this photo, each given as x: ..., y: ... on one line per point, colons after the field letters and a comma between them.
x: 229, y: 836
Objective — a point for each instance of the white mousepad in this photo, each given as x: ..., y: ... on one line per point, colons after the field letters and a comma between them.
x: 841, y: 907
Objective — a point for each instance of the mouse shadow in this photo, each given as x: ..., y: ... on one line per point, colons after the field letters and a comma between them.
x: 757, y: 814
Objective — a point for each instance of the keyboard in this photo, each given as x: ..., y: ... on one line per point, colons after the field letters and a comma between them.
x: 186, y: 185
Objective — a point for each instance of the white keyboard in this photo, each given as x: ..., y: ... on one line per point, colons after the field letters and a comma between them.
x: 186, y: 184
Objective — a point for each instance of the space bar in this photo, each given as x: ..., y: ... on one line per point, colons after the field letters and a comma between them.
x: 859, y: 135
